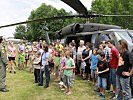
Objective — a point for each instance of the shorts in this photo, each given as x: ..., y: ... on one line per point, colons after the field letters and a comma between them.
x: 26, y: 59
x: 68, y: 81
x: 93, y: 74
x: 113, y: 77
x: 52, y: 65
x: 11, y: 58
x: 21, y: 62
x: 102, y: 82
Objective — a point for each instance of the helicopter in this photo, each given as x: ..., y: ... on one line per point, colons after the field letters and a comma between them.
x: 94, y: 33
x: 90, y: 32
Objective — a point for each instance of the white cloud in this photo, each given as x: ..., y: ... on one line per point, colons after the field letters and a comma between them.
x: 13, y: 11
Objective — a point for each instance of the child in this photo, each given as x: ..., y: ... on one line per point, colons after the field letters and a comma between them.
x: 52, y: 60
x: 26, y: 57
x: 102, y: 71
x: 32, y: 57
x: 36, y: 64
x: 94, y: 62
x: 63, y: 63
x: 83, y: 64
x: 22, y: 59
x: 68, y: 72
x: 57, y: 65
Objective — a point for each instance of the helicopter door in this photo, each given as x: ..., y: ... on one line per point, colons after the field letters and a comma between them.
x: 93, y: 39
x: 96, y: 43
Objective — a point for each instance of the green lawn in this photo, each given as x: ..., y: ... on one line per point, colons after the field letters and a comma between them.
x: 21, y: 87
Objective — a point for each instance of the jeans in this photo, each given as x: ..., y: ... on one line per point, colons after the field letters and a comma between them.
x: 131, y: 85
x: 47, y: 74
x: 108, y: 78
x: 102, y: 82
x: 37, y: 75
x: 123, y: 88
x: 113, y: 77
x: 41, y: 76
x: 108, y: 82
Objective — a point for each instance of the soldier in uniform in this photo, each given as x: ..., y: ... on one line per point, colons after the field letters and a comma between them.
x: 3, y: 64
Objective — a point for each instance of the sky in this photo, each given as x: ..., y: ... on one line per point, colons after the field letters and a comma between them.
x: 13, y: 11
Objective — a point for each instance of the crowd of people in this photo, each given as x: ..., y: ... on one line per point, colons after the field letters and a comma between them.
x: 103, y: 66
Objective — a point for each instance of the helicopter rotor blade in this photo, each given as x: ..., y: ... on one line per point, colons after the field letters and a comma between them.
x: 77, y: 6
x: 117, y: 15
x: 65, y: 17
x: 42, y: 19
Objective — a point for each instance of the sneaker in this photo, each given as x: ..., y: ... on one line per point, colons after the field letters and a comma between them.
x: 63, y: 89
x: 99, y: 94
x: 10, y: 71
x: 68, y: 93
x: 40, y: 85
x: 46, y: 86
x: 4, y: 90
x: 103, y: 97
x: 61, y: 83
x: 97, y: 90
x: 114, y: 97
x: 14, y: 72
x: 111, y: 92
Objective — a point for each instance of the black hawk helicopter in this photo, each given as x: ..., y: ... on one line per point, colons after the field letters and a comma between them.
x: 90, y: 32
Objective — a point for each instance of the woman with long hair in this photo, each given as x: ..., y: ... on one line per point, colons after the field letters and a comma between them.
x: 123, y: 66
x: 45, y: 67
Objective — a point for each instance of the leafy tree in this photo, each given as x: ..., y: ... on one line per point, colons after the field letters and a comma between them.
x: 20, y: 32
x: 114, y: 7
x: 45, y: 11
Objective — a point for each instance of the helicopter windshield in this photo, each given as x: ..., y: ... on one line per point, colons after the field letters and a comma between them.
x: 124, y: 35
x: 131, y: 32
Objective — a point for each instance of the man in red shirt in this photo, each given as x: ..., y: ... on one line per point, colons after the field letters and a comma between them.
x: 113, y: 65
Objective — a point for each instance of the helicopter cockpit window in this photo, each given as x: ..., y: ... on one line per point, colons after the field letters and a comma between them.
x: 104, y: 37
x: 124, y: 35
x: 131, y: 32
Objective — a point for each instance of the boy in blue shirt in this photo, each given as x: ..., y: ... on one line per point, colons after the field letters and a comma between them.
x: 94, y: 62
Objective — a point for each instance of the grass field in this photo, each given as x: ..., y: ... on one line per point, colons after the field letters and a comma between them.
x: 21, y: 87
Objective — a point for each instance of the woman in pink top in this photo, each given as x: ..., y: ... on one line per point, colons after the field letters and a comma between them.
x: 11, y: 57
